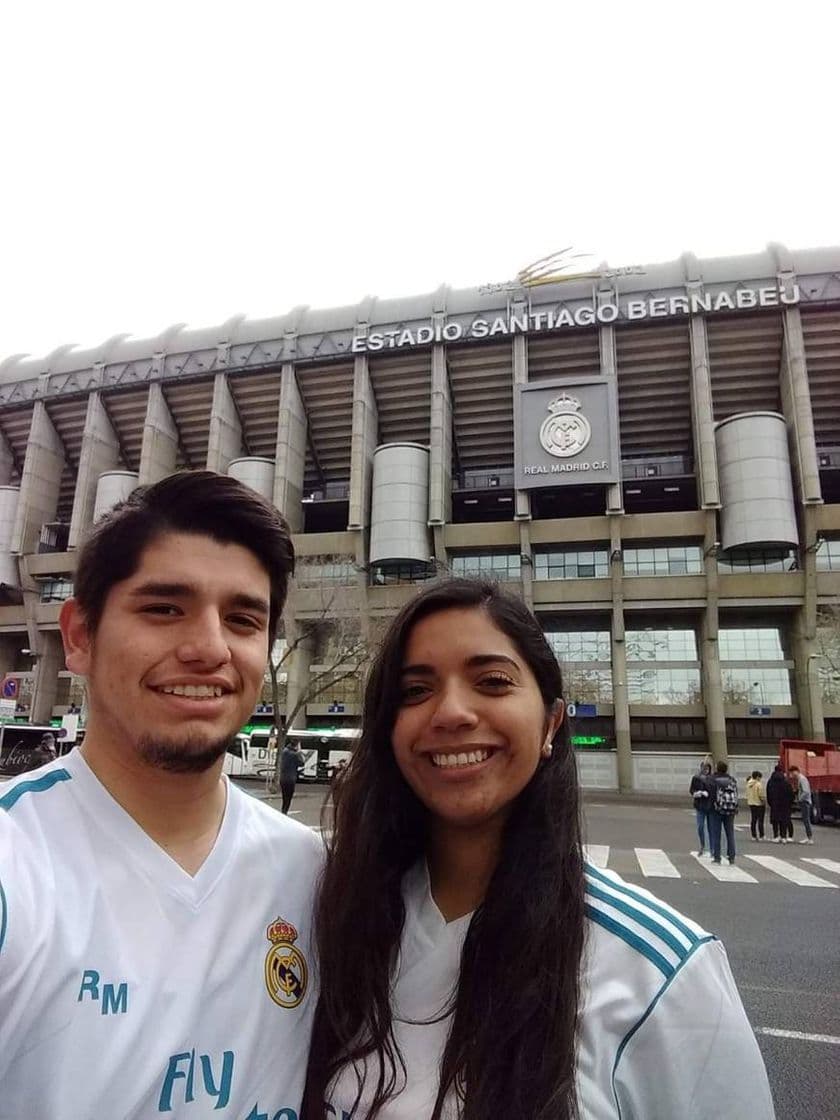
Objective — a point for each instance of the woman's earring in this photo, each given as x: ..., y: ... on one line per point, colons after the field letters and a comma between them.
x: 546, y: 749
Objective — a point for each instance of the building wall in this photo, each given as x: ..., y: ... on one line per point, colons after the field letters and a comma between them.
x: 638, y: 561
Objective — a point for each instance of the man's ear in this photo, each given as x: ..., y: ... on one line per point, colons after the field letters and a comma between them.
x: 76, y: 637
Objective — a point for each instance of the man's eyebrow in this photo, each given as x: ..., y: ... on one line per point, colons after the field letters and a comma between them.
x: 477, y: 662
x: 161, y: 589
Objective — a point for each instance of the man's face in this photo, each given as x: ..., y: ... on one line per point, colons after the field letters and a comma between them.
x: 177, y: 661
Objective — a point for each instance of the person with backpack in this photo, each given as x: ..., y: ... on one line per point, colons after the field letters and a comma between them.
x: 722, y: 813
x: 701, y: 789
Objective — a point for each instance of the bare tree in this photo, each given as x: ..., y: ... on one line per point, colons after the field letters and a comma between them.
x: 828, y: 649
x: 332, y: 627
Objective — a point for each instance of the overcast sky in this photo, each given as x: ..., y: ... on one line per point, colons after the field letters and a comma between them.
x: 185, y: 161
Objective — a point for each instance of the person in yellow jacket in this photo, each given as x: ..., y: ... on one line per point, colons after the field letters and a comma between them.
x: 757, y: 803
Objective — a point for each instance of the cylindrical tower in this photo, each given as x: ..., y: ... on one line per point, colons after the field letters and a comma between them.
x: 256, y: 473
x: 113, y: 487
x: 9, y: 496
x: 400, y: 504
x: 756, y: 490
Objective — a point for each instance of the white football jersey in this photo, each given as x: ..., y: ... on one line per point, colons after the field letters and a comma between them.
x: 130, y: 989
x: 664, y: 1035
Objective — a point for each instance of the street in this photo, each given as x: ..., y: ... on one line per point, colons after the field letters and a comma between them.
x: 777, y: 914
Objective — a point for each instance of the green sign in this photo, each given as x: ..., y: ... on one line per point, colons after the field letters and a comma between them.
x: 588, y: 740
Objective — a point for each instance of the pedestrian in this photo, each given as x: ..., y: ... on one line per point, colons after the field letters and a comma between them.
x: 157, y: 955
x: 472, y: 964
x: 802, y: 792
x: 701, y: 789
x: 779, y: 794
x: 756, y: 801
x: 291, y: 764
x: 722, y: 813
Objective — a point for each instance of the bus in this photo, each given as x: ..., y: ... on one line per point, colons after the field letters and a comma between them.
x: 324, y: 750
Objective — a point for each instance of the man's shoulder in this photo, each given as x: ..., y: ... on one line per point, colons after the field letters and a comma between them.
x: 27, y: 794
x: 275, y: 828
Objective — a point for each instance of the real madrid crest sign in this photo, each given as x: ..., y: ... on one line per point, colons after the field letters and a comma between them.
x: 566, y: 431
x: 286, y: 973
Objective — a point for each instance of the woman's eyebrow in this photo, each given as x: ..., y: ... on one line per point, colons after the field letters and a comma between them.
x: 475, y: 662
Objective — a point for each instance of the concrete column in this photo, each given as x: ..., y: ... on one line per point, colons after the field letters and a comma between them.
x: 224, y: 442
x: 621, y: 705
x: 159, y: 451
x: 40, y: 482
x: 609, y: 368
x: 363, y: 441
x: 711, y: 678
x: 526, y: 568
x: 440, y: 441
x: 49, y: 664
x: 7, y: 462
x: 807, y: 686
x: 522, y: 498
x: 100, y: 452
x: 290, y: 455
x: 702, y: 414
x: 796, y: 405
x: 805, y: 645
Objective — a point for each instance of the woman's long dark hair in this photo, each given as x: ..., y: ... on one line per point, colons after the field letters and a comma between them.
x: 512, y: 1043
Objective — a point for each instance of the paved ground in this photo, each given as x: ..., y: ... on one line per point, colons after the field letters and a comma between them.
x: 777, y: 913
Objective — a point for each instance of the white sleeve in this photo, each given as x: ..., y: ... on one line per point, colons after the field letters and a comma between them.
x: 693, y: 1054
x: 20, y: 935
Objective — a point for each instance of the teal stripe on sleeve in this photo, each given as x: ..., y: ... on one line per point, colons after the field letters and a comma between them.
x: 631, y: 939
x: 651, y: 904
x: 35, y: 785
x: 642, y: 919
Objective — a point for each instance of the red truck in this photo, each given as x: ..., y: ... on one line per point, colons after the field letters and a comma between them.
x: 820, y: 763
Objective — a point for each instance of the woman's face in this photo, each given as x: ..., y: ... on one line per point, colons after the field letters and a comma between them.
x: 471, y: 724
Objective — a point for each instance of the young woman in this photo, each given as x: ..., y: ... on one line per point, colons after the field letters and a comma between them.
x: 471, y: 964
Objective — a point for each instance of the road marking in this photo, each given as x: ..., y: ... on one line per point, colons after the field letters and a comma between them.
x: 790, y: 871
x: 825, y: 864
x: 655, y: 864
x: 597, y: 854
x: 800, y: 1035
x: 726, y: 872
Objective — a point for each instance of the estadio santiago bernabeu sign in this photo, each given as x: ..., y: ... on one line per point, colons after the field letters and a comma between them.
x: 566, y: 433
x: 574, y: 314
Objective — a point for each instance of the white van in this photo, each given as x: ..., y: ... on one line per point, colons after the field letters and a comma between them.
x: 255, y: 755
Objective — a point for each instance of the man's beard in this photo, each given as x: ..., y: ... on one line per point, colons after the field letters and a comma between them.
x: 182, y: 756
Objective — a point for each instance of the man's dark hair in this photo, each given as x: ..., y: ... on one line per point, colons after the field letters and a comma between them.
x: 199, y: 502
x: 721, y: 768
x: 792, y: 768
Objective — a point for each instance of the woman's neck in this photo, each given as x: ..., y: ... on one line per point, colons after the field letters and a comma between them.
x: 461, y: 864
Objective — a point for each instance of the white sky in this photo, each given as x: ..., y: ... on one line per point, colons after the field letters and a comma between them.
x: 185, y: 161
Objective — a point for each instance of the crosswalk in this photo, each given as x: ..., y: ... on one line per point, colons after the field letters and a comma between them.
x: 749, y: 867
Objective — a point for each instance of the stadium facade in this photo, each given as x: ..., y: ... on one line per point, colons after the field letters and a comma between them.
x: 649, y: 455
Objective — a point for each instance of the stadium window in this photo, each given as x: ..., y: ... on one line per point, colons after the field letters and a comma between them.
x: 664, y: 560
x: 486, y: 565
x: 572, y: 563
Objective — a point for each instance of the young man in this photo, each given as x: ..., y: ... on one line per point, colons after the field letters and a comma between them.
x: 804, y: 800
x: 722, y: 812
x: 155, y: 923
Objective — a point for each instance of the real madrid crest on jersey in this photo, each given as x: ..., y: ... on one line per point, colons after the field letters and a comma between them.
x: 286, y: 973
x: 566, y: 431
